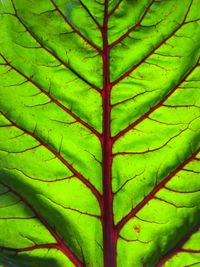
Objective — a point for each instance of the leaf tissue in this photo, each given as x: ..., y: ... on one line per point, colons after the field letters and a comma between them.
x: 99, y: 133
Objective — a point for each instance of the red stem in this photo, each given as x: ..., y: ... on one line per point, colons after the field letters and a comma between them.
x: 109, y: 234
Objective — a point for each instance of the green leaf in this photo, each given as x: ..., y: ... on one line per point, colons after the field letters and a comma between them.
x: 100, y: 133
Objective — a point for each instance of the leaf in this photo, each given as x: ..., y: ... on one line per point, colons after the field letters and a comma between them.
x: 100, y: 133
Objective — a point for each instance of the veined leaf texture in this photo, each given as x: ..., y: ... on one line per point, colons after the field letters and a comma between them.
x: 100, y: 133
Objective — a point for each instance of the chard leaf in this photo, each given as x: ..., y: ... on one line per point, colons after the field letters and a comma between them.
x: 100, y: 133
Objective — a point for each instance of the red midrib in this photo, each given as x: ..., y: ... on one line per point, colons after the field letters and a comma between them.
x: 109, y: 235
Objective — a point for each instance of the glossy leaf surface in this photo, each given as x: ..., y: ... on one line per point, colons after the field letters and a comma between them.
x: 100, y: 133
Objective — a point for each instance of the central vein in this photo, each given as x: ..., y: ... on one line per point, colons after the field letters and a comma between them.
x: 109, y: 239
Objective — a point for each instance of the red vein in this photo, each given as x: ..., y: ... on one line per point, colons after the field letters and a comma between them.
x: 58, y: 156
x: 31, y: 248
x: 152, y: 194
x: 181, y: 192
x: 115, y: 8
x: 146, y: 221
x: 173, y: 204
x: 192, y: 264
x: 74, y: 28
x: 51, y: 53
x: 159, y: 104
x: 133, y: 97
x: 193, y: 171
x: 180, y: 106
x: 17, y: 218
x: 134, y: 240
x: 109, y: 235
x: 22, y: 151
x: 4, y: 193
x: 56, y: 102
x: 190, y: 251
x: 127, y: 181
x: 153, y: 149
x: 133, y: 27
x: 10, y: 205
x: 60, y: 243
x: 90, y: 14
x: 126, y: 74
x: 39, y: 179
x: 157, y: 148
x: 177, y: 248
x: 73, y: 209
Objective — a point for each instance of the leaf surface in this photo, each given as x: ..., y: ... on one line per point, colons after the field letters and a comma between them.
x: 100, y: 133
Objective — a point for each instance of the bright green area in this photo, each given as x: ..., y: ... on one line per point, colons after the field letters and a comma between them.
x: 51, y: 110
